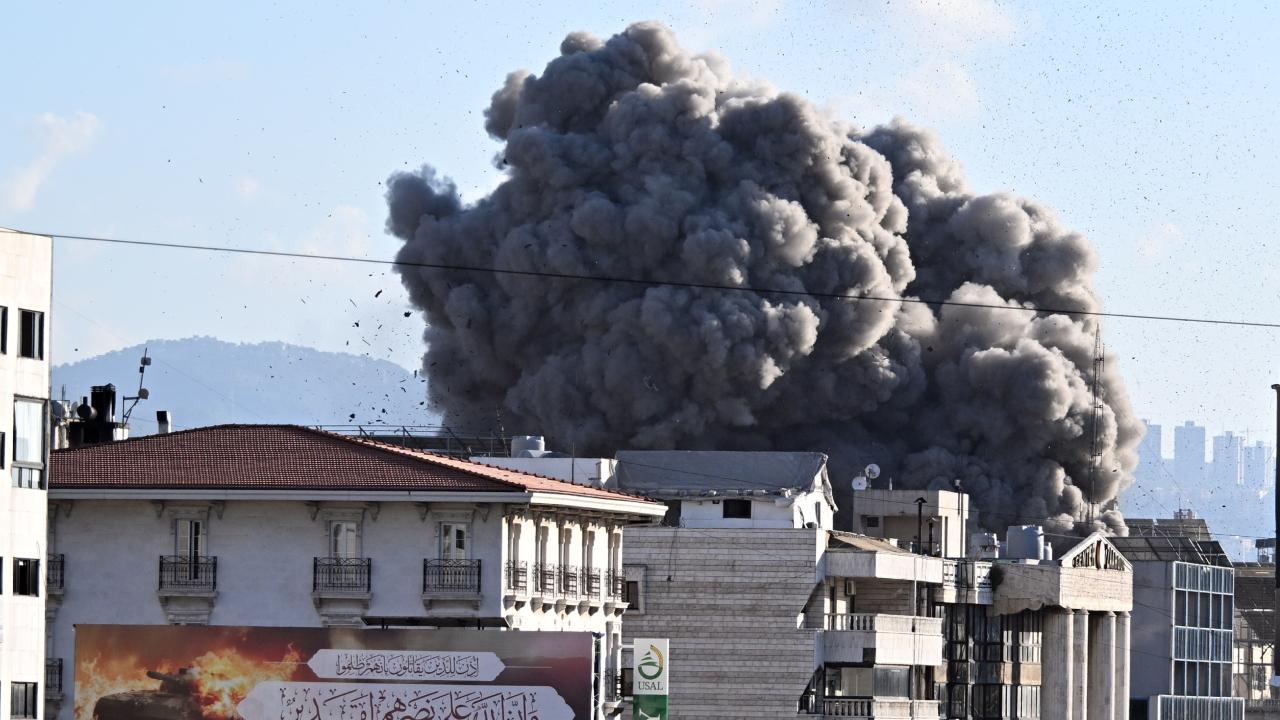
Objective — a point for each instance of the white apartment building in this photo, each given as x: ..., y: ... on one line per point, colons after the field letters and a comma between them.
x: 276, y: 525
x: 26, y: 263
x: 1183, y: 628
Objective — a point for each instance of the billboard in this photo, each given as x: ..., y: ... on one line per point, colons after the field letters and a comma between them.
x: 177, y: 672
x: 649, y: 684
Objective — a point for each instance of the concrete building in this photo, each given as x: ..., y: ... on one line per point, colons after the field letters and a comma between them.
x: 1254, y: 637
x: 1182, y: 629
x: 1188, y: 454
x: 25, y: 287
x: 1227, y: 467
x: 1151, y: 454
x: 769, y: 612
x: 772, y: 613
x: 286, y: 526
x: 1258, y: 471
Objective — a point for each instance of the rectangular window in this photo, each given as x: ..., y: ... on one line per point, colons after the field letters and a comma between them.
x: 737, y: 509
x: 4, y: 330
x: 632, y: 593
x: 190, y: 539
x: 453, y: 541
x: 28, y: 443
x: 31, y: 334
x: 26, y: 577
x: 870, y: 521
x: 23, y: 700
x: 344, y: 539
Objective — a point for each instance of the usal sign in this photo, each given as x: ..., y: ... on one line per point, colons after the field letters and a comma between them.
x: 649, y: 679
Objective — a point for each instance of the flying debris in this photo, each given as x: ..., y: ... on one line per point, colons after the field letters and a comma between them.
x: 632, y: 158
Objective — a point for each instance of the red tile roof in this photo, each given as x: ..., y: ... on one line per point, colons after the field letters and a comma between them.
x: 286, y: 457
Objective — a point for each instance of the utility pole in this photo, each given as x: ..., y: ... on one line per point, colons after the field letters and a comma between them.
x: 1275, y: 553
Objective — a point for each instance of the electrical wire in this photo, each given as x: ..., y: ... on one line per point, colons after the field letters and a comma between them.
x: 655, y: 282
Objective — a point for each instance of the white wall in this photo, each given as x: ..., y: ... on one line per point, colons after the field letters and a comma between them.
x: 25, y: 283
x: 767, y: 512
x: 896, y: 512
x: 265, y: 552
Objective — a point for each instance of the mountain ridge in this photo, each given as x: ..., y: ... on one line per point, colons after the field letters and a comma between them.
x: 204, y: 380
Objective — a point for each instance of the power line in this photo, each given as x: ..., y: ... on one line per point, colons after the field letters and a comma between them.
x: 655, y: 282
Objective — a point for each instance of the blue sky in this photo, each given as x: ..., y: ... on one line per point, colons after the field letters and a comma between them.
x: 1148, y: 126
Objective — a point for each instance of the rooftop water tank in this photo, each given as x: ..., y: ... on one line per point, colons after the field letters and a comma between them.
x: 528, y: 446
x: 1025, y: 542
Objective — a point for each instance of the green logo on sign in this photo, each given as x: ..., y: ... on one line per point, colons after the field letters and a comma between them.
x: 650, y: 666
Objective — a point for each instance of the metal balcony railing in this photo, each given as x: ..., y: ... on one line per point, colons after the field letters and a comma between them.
x: 341, y: 574
x: 545, y: 577
x: 53, y: 675
x: 517, y: 576
x: 180, y: 572
x: 591, y: 579
x: 451, y: 576
x: 617, y: 584
x: 54, y: 572
x: 570, y: 581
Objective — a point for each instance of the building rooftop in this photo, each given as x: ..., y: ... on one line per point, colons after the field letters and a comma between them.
x: 1170, y: 548
x: 660, y: 473
x: 286, y: 457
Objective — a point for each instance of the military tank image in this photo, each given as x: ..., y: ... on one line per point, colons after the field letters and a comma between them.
x: 174, y: 700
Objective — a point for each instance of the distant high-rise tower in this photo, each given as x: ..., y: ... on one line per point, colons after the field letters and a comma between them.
x: 1226, y: 466
x: 1256, y: 468
x: 1149, y: 456
x: 1188, y: 455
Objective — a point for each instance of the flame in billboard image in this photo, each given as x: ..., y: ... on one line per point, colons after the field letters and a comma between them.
x: 209, y: 686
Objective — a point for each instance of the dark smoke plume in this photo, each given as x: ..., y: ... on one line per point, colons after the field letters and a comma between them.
x: 633, y: 158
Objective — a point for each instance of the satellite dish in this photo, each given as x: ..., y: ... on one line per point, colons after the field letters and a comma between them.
x: 872, y: 472
x: 860, y: 483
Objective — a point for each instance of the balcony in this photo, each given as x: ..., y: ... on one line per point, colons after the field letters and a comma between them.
x: 882, y: 639
x: 872, y: 709
x: 54, y: 574
x: 517, y: 581
x: 591, y: 586
x: 966, y: 582
x: 180, y: 574
x: 53, y: 678
x: 341, y: 589
x: 617, y: 585
x: 187, y: 588
x: 450, y: 581
x: 341, y: 576
x: 546, y: 579
x: 570, y: 581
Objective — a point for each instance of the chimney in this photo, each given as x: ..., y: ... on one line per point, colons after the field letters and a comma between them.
x: 164, y: 422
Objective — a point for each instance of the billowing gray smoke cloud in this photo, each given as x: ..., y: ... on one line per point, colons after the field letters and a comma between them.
x: 632, y: 158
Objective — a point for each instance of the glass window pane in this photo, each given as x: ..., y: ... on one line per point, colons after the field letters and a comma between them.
x: 28, y: 431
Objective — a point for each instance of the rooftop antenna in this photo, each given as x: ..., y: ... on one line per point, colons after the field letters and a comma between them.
x: 1094, y: 451
x: 143, y: 394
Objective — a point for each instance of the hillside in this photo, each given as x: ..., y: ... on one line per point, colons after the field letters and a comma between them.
x: 206, y: 381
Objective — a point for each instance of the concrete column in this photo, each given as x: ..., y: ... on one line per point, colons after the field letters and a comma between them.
x: 1080, y: 661
x: 1058, y: 665
x: 1123, y: 662
x: 1102, y: 666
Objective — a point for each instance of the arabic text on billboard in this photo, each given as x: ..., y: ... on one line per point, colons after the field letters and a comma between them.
x: 158, y: 672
